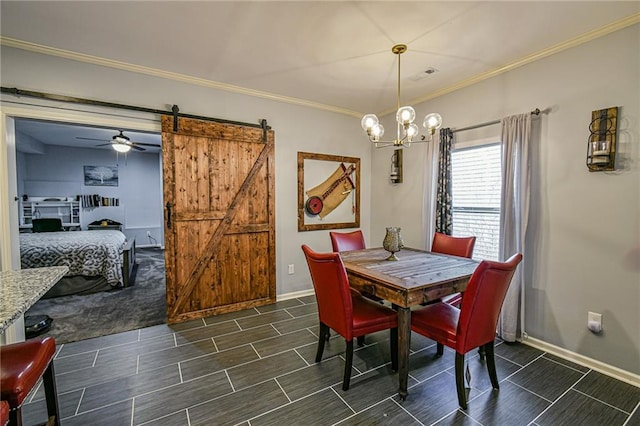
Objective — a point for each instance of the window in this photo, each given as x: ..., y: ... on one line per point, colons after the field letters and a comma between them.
x: 476, y: 185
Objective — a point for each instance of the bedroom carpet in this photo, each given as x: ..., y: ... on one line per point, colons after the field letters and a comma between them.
x: 143, y: 304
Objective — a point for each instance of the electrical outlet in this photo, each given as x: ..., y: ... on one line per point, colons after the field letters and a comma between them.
x: 594, y: 322
x: 595, y: 318
x: 292, y: 269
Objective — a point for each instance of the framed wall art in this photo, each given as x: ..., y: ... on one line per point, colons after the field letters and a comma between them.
x: 100, y: 176
x: 328, y: 192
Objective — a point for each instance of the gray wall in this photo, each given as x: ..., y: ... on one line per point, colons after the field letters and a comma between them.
x: 586, y: 224
x: 297, y: 128
x: 585, y: 227
x: 60, y: 171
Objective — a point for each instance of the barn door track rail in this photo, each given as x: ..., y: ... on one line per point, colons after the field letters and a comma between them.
x: 175, y: 110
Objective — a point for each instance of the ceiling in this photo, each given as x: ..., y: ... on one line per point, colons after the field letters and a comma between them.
x: 72, y: 135
x: 331, y: 54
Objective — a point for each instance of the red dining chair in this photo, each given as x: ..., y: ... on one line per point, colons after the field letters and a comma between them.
x: 344, y: 311
x: 347, y: 241
x: 474, y: 324
x: 22, y: 366
x: 455, y: 246
x: 4, y: 413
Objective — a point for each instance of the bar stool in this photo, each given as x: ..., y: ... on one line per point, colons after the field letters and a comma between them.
x: 22, y: 366
x: 4, y: 413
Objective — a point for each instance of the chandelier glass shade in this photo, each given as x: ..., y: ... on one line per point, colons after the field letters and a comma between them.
x: 406, y: 130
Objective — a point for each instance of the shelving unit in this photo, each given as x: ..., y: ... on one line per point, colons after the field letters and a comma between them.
x: 66, y: 209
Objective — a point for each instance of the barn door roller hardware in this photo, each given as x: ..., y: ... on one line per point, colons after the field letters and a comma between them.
x: 174, y: 109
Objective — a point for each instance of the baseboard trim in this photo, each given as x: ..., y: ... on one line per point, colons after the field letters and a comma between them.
x: 294, y: 294
x: 609, y: 370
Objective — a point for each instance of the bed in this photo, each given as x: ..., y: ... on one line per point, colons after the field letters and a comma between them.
x: 94, y: 258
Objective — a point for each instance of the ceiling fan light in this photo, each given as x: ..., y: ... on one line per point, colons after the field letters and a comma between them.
x: 121, y: 147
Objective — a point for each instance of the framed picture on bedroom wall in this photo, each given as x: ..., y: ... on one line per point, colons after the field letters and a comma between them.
x: 328, y: 191
x: 100, y: 176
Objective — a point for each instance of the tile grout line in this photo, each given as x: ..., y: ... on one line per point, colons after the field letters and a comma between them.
x: 282, y: 389
x: 626, y: 423
x: 557, y: 399
x: 80, y: 402
x: 233, y: 389
x: 342, y: 399
x: 133, y: 409
x: 600, y: 401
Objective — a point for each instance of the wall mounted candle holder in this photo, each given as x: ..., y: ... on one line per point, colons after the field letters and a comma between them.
x: 396, y: 167
x: 601, y: 145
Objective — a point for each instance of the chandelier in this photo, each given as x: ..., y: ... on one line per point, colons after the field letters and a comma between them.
x: 407, y: 130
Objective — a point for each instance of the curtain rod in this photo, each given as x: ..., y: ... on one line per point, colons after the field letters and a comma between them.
x: 489, y: 123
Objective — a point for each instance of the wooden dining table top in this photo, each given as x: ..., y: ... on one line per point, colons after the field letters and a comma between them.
x: 417, y: 276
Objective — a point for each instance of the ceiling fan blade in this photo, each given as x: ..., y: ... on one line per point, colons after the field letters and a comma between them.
x: 105, y: 144
x: 91, y: 139
x: 145, y: 144
x: 137, y: 147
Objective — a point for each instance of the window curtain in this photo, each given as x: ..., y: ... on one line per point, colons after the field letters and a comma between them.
x: 444, y: 223
x: 429, y: 193
x: 514, y: 215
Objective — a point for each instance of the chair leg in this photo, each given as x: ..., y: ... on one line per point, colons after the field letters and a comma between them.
x: 393, y: 337
x: 347, y: 365
x: 360, y: 340
x: 439, y: 349
x: 491, y: 365
x: 49, y: 381
x: 462, y: 392
x: 481, y: 353
x: 15, y: 417
x: 324, y: 333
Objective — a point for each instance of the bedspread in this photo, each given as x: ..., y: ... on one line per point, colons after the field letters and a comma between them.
x: 88, y: 253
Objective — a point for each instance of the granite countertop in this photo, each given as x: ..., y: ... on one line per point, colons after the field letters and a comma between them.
x: 20, y: 289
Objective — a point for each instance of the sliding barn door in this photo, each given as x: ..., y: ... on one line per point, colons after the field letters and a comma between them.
x: 219, y: 218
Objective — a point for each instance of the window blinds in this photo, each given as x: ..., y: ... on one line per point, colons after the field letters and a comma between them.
x: 476, y: 186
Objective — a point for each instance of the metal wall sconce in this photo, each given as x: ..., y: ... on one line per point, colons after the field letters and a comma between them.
x: 396, y: 166
x: 601, y: 146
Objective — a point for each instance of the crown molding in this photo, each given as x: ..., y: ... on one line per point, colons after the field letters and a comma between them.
x: 95, y: 60
x: 80, y: 57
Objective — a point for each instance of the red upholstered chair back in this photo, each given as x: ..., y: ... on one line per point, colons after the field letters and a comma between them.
x: 455, y: 246
x: 330, y: 282
x: 346, y: 241
x: 482, y: 302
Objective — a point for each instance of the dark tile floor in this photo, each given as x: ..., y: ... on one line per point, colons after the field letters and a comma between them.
x: 256, y: 367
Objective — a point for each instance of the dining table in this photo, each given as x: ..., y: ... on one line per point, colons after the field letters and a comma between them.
x: 417, y: 277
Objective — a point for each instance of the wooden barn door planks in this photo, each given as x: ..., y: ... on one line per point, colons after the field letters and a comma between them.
x: 219, y: 218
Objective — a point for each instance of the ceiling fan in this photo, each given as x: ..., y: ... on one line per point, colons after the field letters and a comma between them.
x: 121, y: 143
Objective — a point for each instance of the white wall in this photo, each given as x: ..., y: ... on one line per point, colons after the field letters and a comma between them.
x: 296, y: 128
x: 585, y: 244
